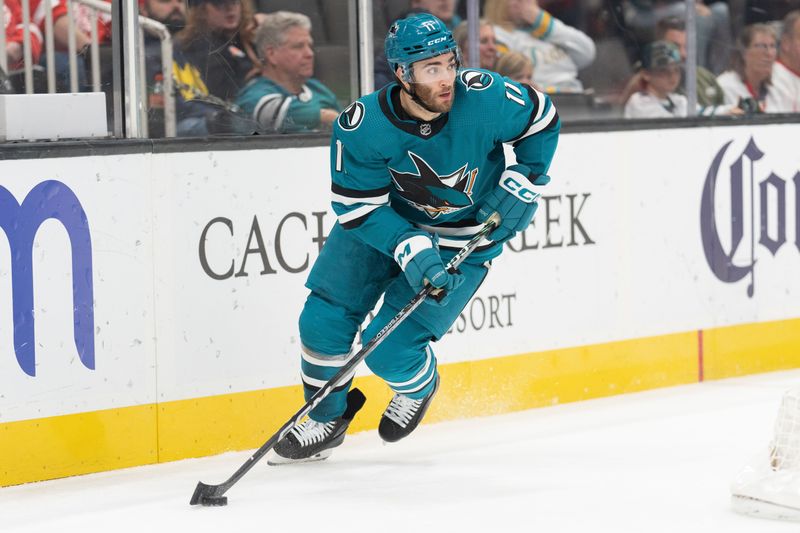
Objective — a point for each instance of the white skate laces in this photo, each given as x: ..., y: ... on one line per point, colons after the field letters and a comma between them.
x: 402, y: 409
x: 311, y: 431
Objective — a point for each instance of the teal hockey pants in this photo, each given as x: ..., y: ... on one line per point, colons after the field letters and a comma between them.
x: 346, y: 283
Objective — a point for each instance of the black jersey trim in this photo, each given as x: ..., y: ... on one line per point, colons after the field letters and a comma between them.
x: 356, y: 222
x: 358, y: 193
x: 534, y: 111
x: 312, y: 389
x: 409, y: 125
x: 550, y: 126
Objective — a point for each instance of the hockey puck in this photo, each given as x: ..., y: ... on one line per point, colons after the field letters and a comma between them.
x: 214, y: 501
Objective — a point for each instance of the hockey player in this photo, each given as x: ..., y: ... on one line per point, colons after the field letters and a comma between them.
x: 416, y: 168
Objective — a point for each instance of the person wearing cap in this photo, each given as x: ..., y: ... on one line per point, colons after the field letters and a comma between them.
x: 660, y: 76
x: 417, y: 168
x: 285, y: 98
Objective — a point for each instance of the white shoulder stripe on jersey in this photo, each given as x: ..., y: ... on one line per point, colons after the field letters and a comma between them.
x: 283, y: 112
x: 540, y: 125
x: 357, y: 213
x: 265, y: 110
x: 350, y: 200
x: 540, y: 107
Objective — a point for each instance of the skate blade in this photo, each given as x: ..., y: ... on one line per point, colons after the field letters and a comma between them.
x: 277, y: 460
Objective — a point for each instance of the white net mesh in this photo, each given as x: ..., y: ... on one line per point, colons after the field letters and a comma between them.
x: 769, y: 486
x: 785, y: 448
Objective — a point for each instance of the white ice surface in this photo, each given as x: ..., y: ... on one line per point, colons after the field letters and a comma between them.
x: 655, y: 461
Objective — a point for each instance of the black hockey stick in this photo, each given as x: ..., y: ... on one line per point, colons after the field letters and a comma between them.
x: 212, y: 495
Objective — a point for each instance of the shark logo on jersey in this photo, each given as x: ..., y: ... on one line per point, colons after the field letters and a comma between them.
x: 475, y: 80
x: 432, y: 193
x: 351, y: 117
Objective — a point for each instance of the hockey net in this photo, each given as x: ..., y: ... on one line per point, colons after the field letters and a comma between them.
x: 770, y: 486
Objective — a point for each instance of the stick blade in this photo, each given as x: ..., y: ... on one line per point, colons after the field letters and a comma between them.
x: 206, y: 495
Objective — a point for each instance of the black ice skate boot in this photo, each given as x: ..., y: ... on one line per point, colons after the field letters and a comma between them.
x: 403, y: 415
x: 314, y: 441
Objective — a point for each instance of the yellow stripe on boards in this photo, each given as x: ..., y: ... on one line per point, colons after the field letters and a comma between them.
x: 61, y: 446
x: 49, y: 448
x: 751, y: 348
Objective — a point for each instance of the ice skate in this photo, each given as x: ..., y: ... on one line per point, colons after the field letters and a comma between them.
x: 403, y: 415
x: 314, y: 441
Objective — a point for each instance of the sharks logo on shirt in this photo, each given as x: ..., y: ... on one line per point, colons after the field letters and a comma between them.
x: 433, y: 193
x: 474, y: 80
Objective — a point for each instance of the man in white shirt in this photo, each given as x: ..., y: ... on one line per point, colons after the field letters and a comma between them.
x: 786, y: 71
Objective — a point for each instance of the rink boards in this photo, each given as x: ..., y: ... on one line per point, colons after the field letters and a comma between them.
x: 165, y: 290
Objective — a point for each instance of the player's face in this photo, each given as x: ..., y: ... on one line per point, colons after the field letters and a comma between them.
x: 296, y: 55
x: 434, y: 80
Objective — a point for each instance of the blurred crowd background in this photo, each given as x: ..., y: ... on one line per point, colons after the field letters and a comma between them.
x: 223, y: 67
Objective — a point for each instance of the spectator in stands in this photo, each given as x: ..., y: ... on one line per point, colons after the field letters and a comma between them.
x: 14, y: 30
x: 444, y: 10
x: 214, y: 58
x: 709, y: 93
x: 170, y: 13
x: 487, y: 47
x: 83, y: 31
x: 749, y: 82
x: 786, y: 72
x: 516, y: 66
x: 661, y: 76
x: 558, y: 51
x: 285, y: 98
x: 713, y: 26
x: 217, y: 44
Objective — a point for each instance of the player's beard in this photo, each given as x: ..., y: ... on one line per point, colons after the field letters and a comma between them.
x: 426, y: 98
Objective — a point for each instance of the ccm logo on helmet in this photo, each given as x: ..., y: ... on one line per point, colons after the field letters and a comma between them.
x: 437, y: 40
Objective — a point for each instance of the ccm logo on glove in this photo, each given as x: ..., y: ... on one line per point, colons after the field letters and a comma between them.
x: 519, y: 185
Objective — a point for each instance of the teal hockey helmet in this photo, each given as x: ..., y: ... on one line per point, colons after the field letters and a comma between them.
x: 417, y: 37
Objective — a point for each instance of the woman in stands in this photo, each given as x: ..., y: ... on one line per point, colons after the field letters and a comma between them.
x: 558, y: 51
x: 750, y: 80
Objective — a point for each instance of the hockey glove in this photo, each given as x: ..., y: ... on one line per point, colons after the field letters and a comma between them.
x: 419, y: 258
x: 515, y: 200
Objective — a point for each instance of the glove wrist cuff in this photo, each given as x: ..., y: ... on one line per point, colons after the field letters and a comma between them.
x: 405, y: 251
x: 519, y: 186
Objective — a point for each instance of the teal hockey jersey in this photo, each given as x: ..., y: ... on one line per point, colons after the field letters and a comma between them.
x: 394, y: 176
x: 275, y: 109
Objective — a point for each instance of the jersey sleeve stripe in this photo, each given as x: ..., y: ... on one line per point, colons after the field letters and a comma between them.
x: 356, y: 217
x: 358, y: 193
x: 544, y: 123
x: 265, y: 109
x: 537, y: 103
x: 347, y: 200
x: 282, y: 112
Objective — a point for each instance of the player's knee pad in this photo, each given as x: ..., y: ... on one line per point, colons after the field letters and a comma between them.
x: 327, y: 328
